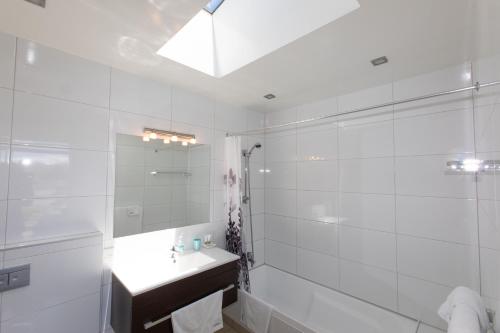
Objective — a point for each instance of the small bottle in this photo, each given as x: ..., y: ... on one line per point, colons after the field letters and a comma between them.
x: 179, y: 247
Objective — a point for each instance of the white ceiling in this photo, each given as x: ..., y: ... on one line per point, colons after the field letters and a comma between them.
x: 416, y: 35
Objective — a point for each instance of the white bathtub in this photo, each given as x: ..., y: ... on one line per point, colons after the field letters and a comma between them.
x: 303, y: 306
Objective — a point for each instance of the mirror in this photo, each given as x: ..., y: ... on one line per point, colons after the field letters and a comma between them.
x: 159, y: 185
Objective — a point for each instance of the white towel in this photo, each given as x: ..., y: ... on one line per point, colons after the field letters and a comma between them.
x: 203, y: 316
x: 255, y: 314
x: 464, y: 311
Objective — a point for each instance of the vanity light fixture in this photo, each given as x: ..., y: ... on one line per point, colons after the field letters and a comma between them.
x: 168, y: 136
x: 472, y: 165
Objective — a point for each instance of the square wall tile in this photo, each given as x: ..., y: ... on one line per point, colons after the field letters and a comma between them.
x: 50, y: 72
x: 487, y: 121
x: 317, y: 175
x: 421, y: 299
x: 52, y: 122
x: 259, y: 252
x: 281, y: 256
x: 281, y: 202
x: 367, y: 175
x: 489, y: 224
x: 282, y: 229
x: 369, y: 247
x: 317, y: 145
x: 49, y: 172
x: 281, y: 148
x: 3, y: 221
x: 428, y: 176
x: 36, y: 219
x: 82, y: 315
x: 55, y: 278
x: 229, y: 117
x: 363, y: 98
x: 318, y: 206
x: 442, y: 80
x: 192, y: 109
x: 7, y: 60
x: 490, y: 273
x: 488, y: 183
x: 259, y: 226
x: 449, y: 132
x: 367, y: 211
x: 367, y: 140
x: 5, y: 115
x: 446, y: 219
x: 440, y: 262
x: 318, y: 236
x: 486, y: 70
x: 375, y: 285
x: 4, y: 170
x: 317, y: 267
x: 281, y: 175
x: 281, y: 117
x: 318, y: 108
x: 132, y: 93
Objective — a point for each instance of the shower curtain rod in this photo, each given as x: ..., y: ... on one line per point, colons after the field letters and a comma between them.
x: 476, y: 87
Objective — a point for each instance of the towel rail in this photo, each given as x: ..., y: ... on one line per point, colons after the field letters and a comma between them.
x: 149, y: 324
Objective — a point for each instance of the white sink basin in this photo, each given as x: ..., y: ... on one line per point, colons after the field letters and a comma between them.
x: 146, y: 269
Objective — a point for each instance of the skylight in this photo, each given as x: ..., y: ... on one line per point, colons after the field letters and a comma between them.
x: 212, y: 6
x: 241, y: 33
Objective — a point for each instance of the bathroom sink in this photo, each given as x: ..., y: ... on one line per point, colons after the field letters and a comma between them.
x: 141, y: 270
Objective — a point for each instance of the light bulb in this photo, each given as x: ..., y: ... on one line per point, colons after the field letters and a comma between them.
x: 184, y: 143
x: 166, y: 140
x: 174, y: 138
x: 145, y: 138
x: 153, y: 136
x: 192, y: 141
x: 471, y: 165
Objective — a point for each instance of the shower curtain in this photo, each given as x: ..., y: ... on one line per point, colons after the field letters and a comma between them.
x: 234, y: 216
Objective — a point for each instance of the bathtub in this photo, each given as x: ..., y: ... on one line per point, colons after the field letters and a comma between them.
x: 302, y: 306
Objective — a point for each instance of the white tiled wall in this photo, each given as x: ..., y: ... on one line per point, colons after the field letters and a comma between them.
x: 59, y: 116
x: 363, y: 203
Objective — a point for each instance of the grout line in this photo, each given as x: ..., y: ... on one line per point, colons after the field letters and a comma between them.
x: 394, y: 174
x: 339, y: 275
x: 476, y: 186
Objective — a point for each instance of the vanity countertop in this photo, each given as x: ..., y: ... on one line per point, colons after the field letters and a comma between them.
x: 142, y: 271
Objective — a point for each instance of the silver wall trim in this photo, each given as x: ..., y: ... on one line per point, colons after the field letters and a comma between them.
x: 477, y: 86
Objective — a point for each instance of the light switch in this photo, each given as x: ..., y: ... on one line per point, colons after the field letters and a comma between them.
x: 4, y: 281
x: 19, y: 278
x: 14, y: 277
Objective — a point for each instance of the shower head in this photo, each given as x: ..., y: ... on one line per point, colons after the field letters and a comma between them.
x: 257, y: 145
x: 247, y: 153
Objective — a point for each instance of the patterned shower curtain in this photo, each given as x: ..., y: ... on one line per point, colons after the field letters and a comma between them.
x: 234, y: 240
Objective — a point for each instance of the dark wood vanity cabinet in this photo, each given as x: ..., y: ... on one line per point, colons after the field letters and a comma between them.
x: 129, y: 314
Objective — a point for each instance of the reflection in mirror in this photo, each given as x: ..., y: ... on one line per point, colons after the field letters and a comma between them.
x: 159, y: 186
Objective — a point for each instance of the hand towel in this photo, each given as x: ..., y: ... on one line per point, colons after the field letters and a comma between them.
x: 203, y: 316
x: 464, y: 311
x: 255, y: 314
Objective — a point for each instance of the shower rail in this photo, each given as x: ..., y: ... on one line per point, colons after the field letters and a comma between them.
x: 477, y: 86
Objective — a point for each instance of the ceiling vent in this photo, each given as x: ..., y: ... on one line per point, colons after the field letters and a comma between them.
x: 40, y: 3
x: 379, y: 61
